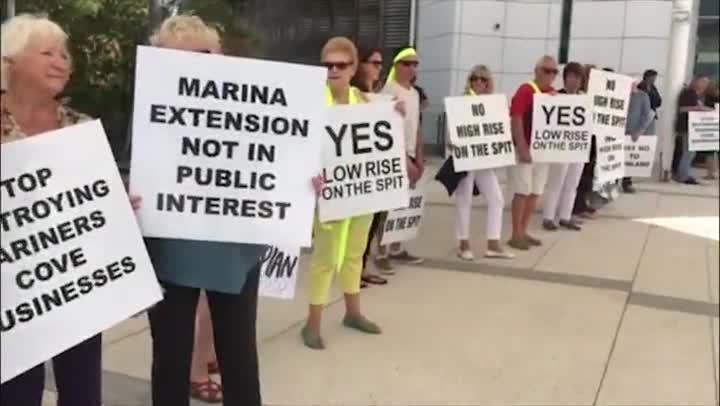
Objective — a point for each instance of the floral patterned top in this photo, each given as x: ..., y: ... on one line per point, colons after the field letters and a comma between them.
x: 11, y: 131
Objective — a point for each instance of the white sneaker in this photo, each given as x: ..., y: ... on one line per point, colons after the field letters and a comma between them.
x: 466, y: 255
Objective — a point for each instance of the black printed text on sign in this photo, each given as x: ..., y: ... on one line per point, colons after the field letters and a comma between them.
x: 703, y: 130
x: 561, y: 128
x: 639, y: 156
x: 479, y: 128
x: 610, y: 94
x: 404, y: 224
x: 73, y: 262
x: 279, y: 272
x: 224, y: 149
x: 363, y: 161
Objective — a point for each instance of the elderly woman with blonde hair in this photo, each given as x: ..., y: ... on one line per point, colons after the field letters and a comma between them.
x: 479, y: 82
x: 36, y: 68
x: 228, y: 273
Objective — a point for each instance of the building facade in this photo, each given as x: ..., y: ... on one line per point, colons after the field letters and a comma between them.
x: 509, y: 36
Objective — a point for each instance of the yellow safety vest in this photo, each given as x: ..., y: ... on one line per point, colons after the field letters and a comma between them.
x: 535, y: 87
x: 344, y: 225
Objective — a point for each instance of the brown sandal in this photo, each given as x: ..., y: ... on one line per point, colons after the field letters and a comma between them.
x: 208, y: 392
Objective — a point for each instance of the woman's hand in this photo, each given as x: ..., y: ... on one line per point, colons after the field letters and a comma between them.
x: 414, y: 173
x: 318, y: 183
x: 135, y: 202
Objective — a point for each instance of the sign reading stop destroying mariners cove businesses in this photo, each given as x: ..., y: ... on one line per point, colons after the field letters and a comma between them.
x: 224, y: 148
x: 73, y: 262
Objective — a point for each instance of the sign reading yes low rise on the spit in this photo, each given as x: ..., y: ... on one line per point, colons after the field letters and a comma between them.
x: 561, y: 128
x: 480, y: 135
x: 73, y: 262
x: 364, y: 161
x: 610, y: 93
x: 224, y: 148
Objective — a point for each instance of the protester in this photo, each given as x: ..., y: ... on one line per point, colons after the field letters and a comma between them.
x: 227, y: 272
x: 424, y: 101
x: 648, y: 86
x: 36, y: 67
x: 338, y: 245
x: 204, y: 361
x: 367, y: 80
x: 479, y: 81
x: 640, y: 116
x: 690, y: 99
x: 527, y: 178
x: 399, y: 84
x: 563, y: 178
x: 582, y: 208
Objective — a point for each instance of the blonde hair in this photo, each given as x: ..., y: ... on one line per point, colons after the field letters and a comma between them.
x: 480, y: 71
x: 185, y: 27
x: 341, y: 44
x: 19, y: 31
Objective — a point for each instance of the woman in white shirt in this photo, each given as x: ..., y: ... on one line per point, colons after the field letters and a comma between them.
x: 479, y: 82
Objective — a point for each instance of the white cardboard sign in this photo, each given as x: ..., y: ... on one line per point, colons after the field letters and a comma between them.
x: 279, y: 272
x: 404, y: 224
x: 480, y: 135
x: 639, y: 156
x: 561, y: 128
x: 704, y: 130
x: 610, y: 93
x: 224, y: 148
x: 364, y: 161
x: 73, y: 260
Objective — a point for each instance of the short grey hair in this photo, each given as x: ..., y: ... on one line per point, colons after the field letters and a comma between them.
x: 18, y: 31
x: 183, y: 26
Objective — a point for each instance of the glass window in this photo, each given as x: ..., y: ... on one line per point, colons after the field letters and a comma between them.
x: 709, y: 8
x: 708, y: 47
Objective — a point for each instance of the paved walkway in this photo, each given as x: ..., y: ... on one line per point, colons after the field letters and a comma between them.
x: 624, y: 313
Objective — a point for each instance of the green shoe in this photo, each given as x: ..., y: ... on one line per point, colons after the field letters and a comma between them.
x: 532, y: 241
x: 311, y: 339
x: 362, y: 324
x: 519, y: 244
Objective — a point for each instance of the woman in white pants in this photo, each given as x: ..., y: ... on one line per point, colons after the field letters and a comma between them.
x: 479, y: 82
x: 563, y: 179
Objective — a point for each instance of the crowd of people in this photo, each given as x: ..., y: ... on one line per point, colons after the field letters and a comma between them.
x: 201, y: 328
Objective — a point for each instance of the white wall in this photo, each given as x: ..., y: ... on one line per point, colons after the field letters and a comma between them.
x: 453, y: 35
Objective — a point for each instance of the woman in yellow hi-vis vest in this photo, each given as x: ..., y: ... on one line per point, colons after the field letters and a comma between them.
x: 339, y: 245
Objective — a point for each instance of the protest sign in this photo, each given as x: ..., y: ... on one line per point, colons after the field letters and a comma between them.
x: 224, y: 148
x: 639, y: 156
x: 610, y: 93
x: 73, y: 262
x: 364, y: 161
x: 279, y: 272
x: 404, y: 224
x: 704, y: 130
x: 561, y: 128
x: 480, y: 135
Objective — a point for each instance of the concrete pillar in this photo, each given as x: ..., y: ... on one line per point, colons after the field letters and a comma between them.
x: 677, y: 63
x: 10, y: 8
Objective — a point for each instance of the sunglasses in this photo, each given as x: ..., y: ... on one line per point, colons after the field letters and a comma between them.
x: 549, y: 71
x: 474, y: 78
x: 377, y: 64
x: 408, y: 64
x: 336, y: 65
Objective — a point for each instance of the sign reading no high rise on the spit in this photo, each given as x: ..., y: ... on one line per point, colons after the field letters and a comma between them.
x: 610, y: 93
x: 480, y: 135
x: 224, y: 148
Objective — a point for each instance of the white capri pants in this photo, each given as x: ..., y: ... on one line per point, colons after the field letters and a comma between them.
x: 487, y: 182
x: 560, y: 190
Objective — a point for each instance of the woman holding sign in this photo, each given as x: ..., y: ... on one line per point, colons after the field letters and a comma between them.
x: 338, y: 245
x: 479, y: 82
x: 228, y: 273
x: 35, y: 70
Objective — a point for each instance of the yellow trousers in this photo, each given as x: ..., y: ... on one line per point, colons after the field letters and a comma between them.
x: 327, y: 257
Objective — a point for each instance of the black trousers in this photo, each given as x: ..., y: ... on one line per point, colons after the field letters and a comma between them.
x: 375, y: 230
x: 585, y: 186
x: 172, y: 325
x: 77, y: 377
